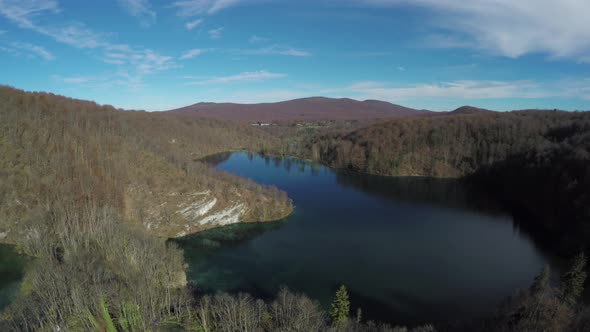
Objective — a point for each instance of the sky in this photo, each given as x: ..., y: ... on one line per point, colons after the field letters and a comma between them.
x: 427, y: 54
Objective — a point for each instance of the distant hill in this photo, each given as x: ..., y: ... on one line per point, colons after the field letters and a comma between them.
x: 306, y: 109
x: 470, y: 110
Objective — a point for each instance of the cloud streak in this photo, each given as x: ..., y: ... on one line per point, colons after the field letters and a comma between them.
x: 464, y: 90
x: 193, y: 24
x: 215, y: 33
x: 239, y: 78
x: 34, y: 50
x: 140, y: 9
x: 191, y: 54
x: 135, y: 61
x: 274, y: 50
x: 190, y: 8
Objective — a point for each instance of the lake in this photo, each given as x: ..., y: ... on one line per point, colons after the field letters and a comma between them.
x: 410, y: 250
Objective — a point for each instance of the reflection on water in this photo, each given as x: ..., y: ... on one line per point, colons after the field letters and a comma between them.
x: 410, y: 250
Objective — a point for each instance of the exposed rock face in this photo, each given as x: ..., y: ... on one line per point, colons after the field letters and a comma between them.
x: 228, y: 216
x: 175, y: 214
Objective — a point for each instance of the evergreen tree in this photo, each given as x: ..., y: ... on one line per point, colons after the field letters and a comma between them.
x: 541, y: 281
x: 340, y: 307
x: 572, y: 282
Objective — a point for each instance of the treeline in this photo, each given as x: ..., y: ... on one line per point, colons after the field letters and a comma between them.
x: 445, y: 146
x: 538, y: 162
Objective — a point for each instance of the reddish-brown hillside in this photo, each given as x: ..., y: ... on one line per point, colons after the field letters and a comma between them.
x: 306, y: 109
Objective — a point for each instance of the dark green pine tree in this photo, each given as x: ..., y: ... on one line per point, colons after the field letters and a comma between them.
x: 340, y: 307
x: 572, y: 282
x: 541, y: 281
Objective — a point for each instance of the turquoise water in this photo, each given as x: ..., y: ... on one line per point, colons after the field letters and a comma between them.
x: 11, y: 273
x: 410, y: 250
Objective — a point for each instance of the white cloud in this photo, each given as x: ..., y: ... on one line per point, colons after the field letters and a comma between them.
x: 191, y: 54
x: 33, y: 50
x: 199, y: 7
x: 508, y: 27
x: 257, y: 39
x: 463, y: 89
x: 215, y: 33
x: 274, y: 50
x: 140, y: 9
x: 73, y: 79
x: 136, y: 62
x: 242, y: 77
x: 144, y: 61
x: 21, y: 12
x: 193, y: 24
x: 107, y: 80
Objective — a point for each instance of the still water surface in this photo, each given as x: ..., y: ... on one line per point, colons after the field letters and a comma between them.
x: 11, y: 273
x: 410, y: 250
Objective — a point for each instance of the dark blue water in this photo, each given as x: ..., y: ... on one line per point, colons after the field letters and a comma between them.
x: 410, y: 250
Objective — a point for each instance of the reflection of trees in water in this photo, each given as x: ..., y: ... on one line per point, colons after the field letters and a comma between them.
x: 217, y: 159
x: 440, y: 192
x: 548, y: 237
x: 231, y: 235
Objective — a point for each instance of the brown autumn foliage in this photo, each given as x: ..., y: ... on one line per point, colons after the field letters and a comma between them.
x: 537, y: 162
x: 59, y: 149
x: 83, y: 185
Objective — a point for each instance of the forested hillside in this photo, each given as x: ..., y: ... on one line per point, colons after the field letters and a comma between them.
x: 92, y: 193
x: 536, y: 161
x: 56, y: 150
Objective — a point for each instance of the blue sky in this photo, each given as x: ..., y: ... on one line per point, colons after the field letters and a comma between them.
x: 431, y: 54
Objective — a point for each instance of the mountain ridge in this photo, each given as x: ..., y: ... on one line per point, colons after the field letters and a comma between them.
x: 302, y: 109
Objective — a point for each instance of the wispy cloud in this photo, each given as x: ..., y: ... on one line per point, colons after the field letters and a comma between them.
x: 28, y: 50
x: 73, y: 79
x: 257, y: 39
x: 509, y: 28
x: 34, y: 50
x: 136, y: 61
x: 21, y: 12
x: 199, y: 7
x: 464, y: 89
x: 274, y: 50
x: 140, y: 9
x: 193, y: 24
x: 242, y: 77
x: 215, y: 33
x: 107, y: 80
x: 191, y: 54
x: 144, y: 61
